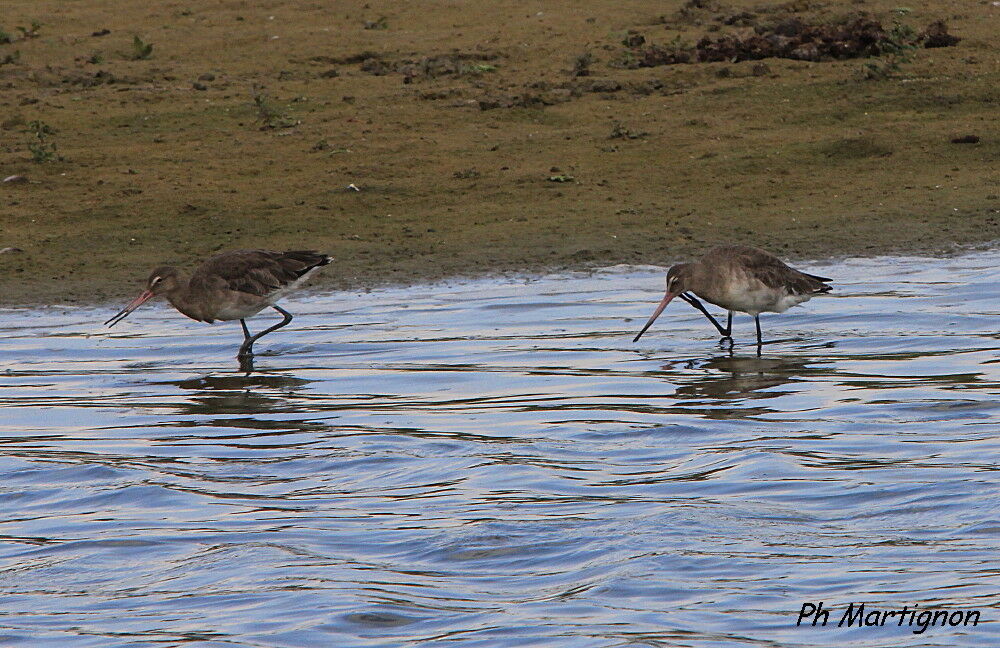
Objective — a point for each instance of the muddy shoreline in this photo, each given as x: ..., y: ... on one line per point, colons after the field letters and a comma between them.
x: 417, y: 145
x: 98, y: 292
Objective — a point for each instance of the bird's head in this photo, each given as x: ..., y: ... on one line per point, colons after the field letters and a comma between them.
x: 678, y: 281
x: 678, y: 278
x: 163, y: 280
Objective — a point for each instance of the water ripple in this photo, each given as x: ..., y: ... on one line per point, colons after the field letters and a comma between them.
x: 496, y: 464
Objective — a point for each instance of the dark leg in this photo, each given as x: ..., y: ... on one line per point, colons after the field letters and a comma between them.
x: 756, y: 318
x: 247, y: 348
x: 724, y: 332
x: 729, y: 329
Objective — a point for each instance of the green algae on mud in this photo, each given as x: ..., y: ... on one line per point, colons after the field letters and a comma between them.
x: 166, y: 159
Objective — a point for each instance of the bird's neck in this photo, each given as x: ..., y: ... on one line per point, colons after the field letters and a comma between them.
x: 181, y: 298
x: 703, y: 281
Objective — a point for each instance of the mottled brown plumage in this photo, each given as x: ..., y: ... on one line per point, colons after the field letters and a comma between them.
x: 257, y: 272
x: 231, y: 285
x: 739, y: 278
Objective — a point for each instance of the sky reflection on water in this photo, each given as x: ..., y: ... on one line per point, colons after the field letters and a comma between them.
x: 494, y: 463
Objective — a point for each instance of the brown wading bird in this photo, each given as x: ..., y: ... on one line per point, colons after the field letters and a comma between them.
x: 739, y: 278
x: 231, y: 285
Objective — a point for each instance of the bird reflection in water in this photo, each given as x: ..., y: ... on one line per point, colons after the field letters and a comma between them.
x: 730, y: 376
x: 249, y: 394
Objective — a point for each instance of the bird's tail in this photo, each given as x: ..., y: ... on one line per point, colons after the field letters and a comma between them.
x: 819, y: 284
x: 808, y: 284
x: 301, y: 262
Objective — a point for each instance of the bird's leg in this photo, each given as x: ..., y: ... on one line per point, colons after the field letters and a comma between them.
x: 728, y: 335
x: 724, y: 332
x: 756, y: 319
x: 247, y: 348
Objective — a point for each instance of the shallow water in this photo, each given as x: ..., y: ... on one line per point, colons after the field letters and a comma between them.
x: 495, y: 463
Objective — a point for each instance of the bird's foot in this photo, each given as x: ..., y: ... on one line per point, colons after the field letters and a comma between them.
x: 245, y: 356
x: 246, y: 363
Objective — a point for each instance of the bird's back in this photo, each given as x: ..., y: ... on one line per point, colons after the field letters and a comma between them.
x: 240, y: 283
x: 765, y: 268
x: 748, y: 279
x: 257, y: 272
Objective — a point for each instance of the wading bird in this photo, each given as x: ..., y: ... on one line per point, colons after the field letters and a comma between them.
x: 739, y: 278
x: 232, y: 285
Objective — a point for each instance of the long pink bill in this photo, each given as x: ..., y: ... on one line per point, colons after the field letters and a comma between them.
x: 132, y: 305
x: 659, y: 309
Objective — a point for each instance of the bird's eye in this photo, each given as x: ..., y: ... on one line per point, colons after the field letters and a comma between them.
x: 155, y: 281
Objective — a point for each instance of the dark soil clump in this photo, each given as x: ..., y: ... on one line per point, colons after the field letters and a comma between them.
x: 936, y: 35
x: 860, y: 36
x: 430, y: 67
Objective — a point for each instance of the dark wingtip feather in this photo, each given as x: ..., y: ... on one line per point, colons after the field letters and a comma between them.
x: 308, y: 259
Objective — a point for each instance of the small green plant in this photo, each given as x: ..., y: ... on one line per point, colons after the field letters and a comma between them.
x: 270, y: 115
x: 479, y: 68
x: 11, y: 58
x: 902, y: 38
x: 381, y: 23
x: 96, y: 58
x: 30, y: 32
x: 41, y: 147
x: 896, y: 50
x: 5, y: 38
x: 141, y: 50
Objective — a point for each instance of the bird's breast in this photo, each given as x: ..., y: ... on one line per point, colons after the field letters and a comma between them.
x: 238, y: 309
x: 190, y: 310
x: 755, y: 300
